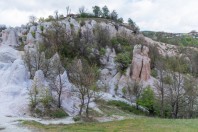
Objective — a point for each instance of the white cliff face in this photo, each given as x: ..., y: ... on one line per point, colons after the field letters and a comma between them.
x: 70, y: 101
x: 9, y: 37
x: 13, y: 81
x: 109, y: 75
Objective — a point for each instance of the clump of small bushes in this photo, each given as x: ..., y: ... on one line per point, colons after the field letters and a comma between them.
x: 125, y: 107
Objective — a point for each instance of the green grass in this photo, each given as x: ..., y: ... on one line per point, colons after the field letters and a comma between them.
x: 125, y: 107
x: 130, y: 125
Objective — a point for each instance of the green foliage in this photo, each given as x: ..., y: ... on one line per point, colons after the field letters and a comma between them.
x: 177, y: 64
x: 33, y: 96
x: 77, y: 118
x: 46, y: 99
x: 72, y: 26
x: 121, y: 45
x: 120, y: 20
x: 154, y: 73
x: 105, y: 12
x: 114, y: 41
x: 133, y: 26
x: 168, y: 80
x: 136, y: 124
x: 38, y: 112
x: 131, y: 22
x: 50, y: 18
x: 170, y: 38
x: 125, y: 107
x: 147, y: 99
x: 102, y: 51
x: 123, y: 60
x: 42, y: 28
x: 114, y: 15
x: 124, y: 91
x: 33, y: 34
x: 96, y: 10
x: 102, y: 36
x: 58, y: 113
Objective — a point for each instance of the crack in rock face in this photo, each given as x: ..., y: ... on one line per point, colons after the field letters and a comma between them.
x: 140, y: 63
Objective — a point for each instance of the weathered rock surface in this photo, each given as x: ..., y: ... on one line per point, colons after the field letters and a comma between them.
x: 9, y: 37
x: 140, y: 63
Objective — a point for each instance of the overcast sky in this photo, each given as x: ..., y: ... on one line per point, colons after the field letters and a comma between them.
x: 157, y: 15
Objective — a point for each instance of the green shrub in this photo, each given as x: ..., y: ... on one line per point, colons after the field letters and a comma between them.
x: 58, y: 113
x: 154, y: 73
x: 72, y: 26
x: 85, y: 15
x: 168, y: 80
x: 114, y: 41
x: 122, y: 41
x: 76, y: 118
x: 38, y: 112
x: 102, y: 51
x: 123, y: 60
x: 125, y: 107
x: 42, y: 28
x: 124, y: 91
x: 147, y: 99
x: 121, y: 45
x: 46, y: 100
x: 33, y: 34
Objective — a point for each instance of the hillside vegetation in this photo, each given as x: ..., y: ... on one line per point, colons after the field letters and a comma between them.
x: 94, y: 68
x: 180, y: 39
x: 139, y: 124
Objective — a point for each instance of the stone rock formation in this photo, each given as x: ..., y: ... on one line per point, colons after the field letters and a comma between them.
x: 9, y: 37
x: 140, y: 64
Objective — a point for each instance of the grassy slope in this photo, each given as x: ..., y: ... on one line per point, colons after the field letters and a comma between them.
x: 130, y: 125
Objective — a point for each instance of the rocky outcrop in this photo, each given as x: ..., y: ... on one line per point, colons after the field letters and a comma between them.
x: 140, y: 64
x: 9, y: 37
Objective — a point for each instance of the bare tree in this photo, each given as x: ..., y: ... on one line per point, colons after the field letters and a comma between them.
x: 102, y: 36
x: 56, y: 14
x: 28, y: 61
x: 58, y: 83
x: 33, y: 95
x: 35, y: 60
x: 86, y: 40
x: 57, y: 38
x: 32, y: 19
x: 82, y: 10
x: 84, y: 80
x: 176, y: 89
x: 68, y: 9
x: 38, y: 57
x: 160, y: 85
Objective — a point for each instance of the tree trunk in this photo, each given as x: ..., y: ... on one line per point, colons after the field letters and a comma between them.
x: 87, y: 109
x: 59, y: 100
x: 82, y: 105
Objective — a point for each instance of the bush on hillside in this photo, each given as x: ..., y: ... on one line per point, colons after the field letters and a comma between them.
x: 125, y: 107
x: 123, y: 60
